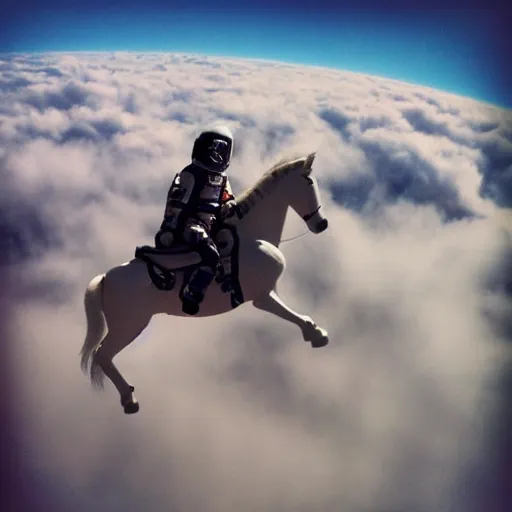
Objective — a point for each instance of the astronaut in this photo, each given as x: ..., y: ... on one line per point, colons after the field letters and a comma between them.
x: 198, y: 198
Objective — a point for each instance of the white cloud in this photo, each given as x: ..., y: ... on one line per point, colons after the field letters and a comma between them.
x: 237, y: 413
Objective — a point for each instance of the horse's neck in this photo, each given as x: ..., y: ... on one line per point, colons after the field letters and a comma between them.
x: 265, y: 220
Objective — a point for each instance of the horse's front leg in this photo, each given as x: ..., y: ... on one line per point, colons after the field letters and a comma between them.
x: 272, y: 303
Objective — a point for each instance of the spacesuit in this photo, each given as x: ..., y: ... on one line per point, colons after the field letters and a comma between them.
x: 199, y: 195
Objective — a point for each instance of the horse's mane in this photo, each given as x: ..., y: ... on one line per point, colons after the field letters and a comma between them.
x: 268, y: 180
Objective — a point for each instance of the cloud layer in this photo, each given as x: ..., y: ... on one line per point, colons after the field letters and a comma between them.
x: 413, y: 281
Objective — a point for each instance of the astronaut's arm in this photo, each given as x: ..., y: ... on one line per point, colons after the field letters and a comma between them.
x: 180, y: 190
x: 168, y: 202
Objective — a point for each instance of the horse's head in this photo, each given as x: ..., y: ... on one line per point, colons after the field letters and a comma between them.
x: 305, y: 197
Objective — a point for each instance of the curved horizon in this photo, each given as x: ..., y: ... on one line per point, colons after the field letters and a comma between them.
x: 454, y: 52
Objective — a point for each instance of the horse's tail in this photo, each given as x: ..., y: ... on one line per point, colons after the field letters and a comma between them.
x: 96, y: 330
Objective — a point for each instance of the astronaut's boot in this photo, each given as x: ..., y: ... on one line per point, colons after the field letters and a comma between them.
x: 195, y: 290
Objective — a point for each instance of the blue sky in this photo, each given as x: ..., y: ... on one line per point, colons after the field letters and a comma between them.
x: 456, y: 50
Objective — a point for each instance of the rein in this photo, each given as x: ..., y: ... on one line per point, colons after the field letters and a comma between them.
x: 282, y: 241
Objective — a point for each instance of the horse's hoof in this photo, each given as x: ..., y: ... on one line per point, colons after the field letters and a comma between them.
x: 129, y: 402
x: 131, y: 407
x: 317, y: 336
x: 321, y: 341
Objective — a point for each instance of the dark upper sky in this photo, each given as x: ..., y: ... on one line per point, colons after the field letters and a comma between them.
x: 453, y: 46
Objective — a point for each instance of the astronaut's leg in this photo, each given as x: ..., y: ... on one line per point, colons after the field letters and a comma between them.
x: 195, y: 290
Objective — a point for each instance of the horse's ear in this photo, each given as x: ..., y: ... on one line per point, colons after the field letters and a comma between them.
x: 308, y: 163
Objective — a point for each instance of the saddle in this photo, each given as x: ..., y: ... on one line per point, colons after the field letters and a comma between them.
x: 163, y: 264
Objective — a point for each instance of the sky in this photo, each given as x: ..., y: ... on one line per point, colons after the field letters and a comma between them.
x: 407, y: 408
x: 456, y: 47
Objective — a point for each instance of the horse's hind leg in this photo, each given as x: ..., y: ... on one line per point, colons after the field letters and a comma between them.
x: 272, y: 303
x: 109, y: 348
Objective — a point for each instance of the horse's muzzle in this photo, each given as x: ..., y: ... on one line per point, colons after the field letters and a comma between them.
x: 317, y: 223
x: 321, y: 225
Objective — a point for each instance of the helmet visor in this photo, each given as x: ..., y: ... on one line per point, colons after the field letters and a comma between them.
x: 218, y: 152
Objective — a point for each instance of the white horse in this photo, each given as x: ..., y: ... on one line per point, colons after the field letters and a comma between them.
x: 120, y: 303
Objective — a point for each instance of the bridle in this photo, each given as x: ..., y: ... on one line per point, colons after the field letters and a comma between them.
x: 305, y: 218
x: 309, y: 216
